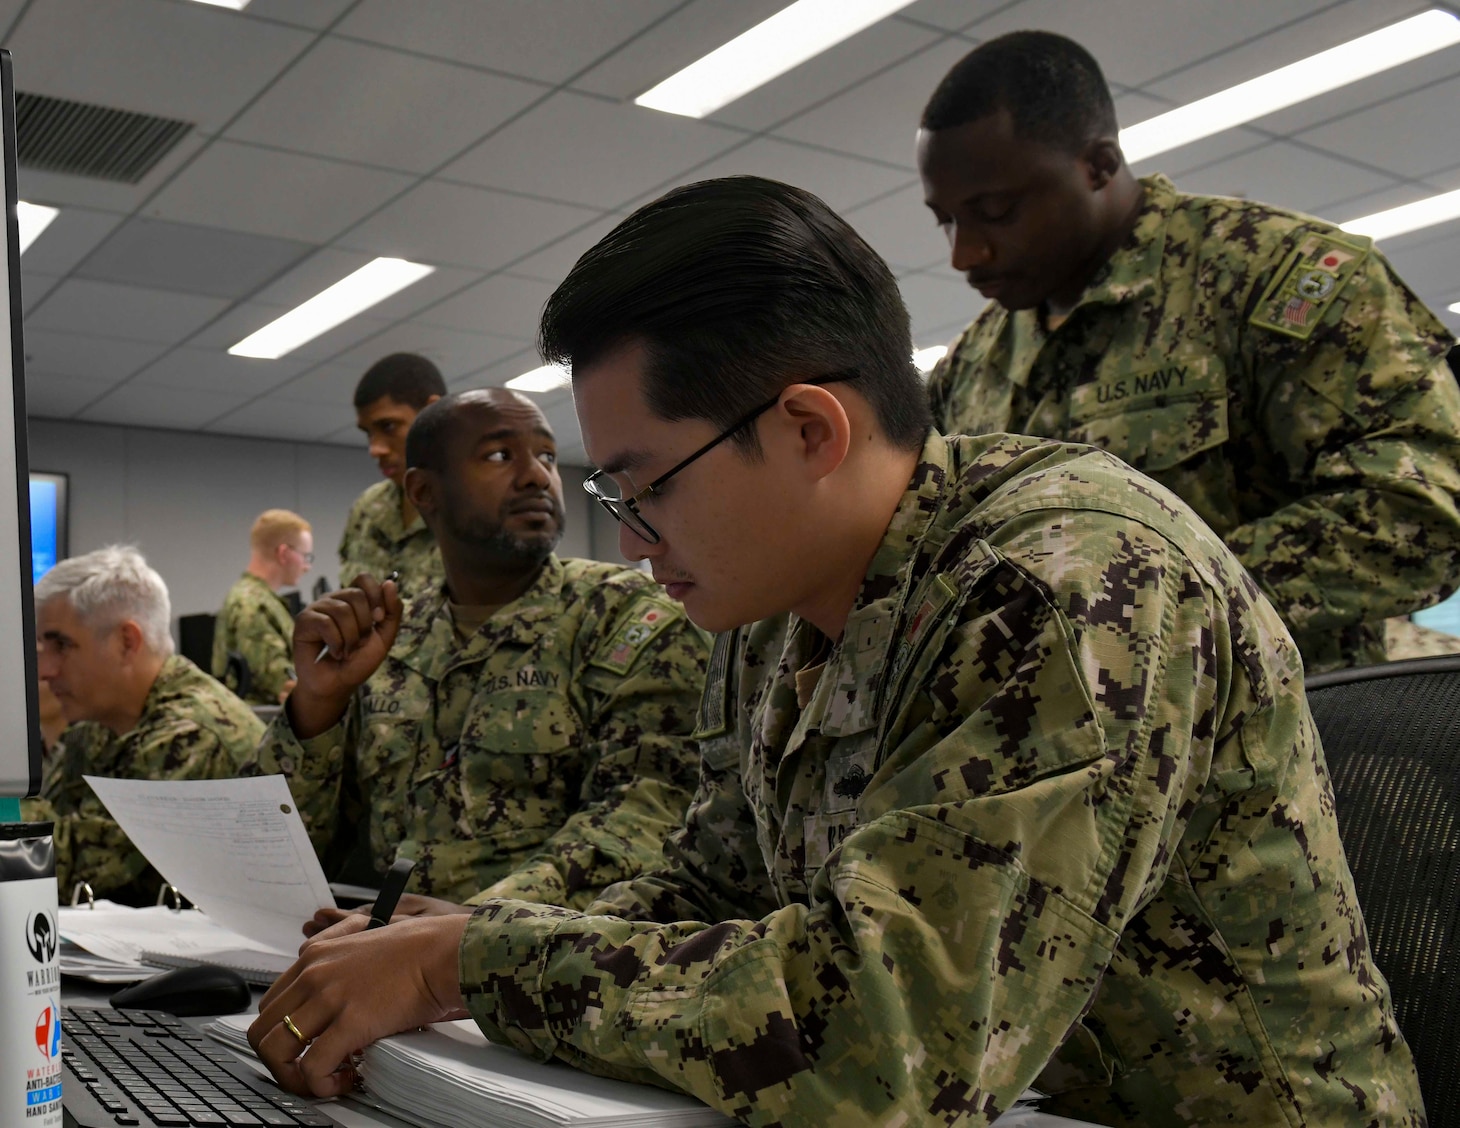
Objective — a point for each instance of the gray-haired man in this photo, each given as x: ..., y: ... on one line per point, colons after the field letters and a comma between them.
x: 136, y: 709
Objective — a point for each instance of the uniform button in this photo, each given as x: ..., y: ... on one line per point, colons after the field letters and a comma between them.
x: 286, y: 764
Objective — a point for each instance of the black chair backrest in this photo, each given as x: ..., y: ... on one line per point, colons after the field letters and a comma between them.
x: 195, y: 639
x: 1391, y: 735
x: 236, y: 674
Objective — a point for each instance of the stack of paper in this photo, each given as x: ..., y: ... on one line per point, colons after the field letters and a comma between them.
x: 115, y: 944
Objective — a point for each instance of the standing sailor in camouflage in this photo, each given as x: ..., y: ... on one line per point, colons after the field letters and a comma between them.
x: 1268, y: 368
x: 255, y: 623
x: 384, y: 533
x: 526, y: 727
x: 1008, y: 772
x: 137, y: 711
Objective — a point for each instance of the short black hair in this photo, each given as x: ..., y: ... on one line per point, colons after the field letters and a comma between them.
x: 736, y: 288
x: 404, y: 377
x: 1051, y: 86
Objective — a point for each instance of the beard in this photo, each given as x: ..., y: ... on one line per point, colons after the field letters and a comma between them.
x: 489, y: 537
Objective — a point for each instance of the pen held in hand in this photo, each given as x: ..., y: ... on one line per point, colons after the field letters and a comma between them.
x: 324, y: 651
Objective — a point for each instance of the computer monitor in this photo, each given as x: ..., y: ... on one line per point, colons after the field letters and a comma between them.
x: 20, y: 738
x: 49, y: 524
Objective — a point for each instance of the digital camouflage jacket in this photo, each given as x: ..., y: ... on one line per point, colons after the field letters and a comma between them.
x: 1056, y: 813
x: 192, y: 727
x: 1272, y: 372
x: 547, y: 757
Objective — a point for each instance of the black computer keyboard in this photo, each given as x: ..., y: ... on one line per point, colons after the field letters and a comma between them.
x: 147, y: 1068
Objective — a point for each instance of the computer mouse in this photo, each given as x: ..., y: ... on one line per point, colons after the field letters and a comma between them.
x: 187, y: 992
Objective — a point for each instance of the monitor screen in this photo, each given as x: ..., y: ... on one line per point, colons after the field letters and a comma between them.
x: 47, y: 522
x: 20, y: 737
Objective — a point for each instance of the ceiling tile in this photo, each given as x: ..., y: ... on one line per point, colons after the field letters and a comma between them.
x: 471, y: 227
x: 189, y: 61
x: 304, y: 13
x: 152, y: 405
x: 96, y: 358
x: 269, y: 192
x: 279, y: 418
x: 693, y: 30
x: 332, y: 383
x: 52, y: 395
x: 34, y: 287
x: 879, y: 118
x: 901, y: 229
x: 1285, y: 175
x: 629, y: 150
x: 71, y: 236
x: 1410, y: 136
x: 885, y: 44
x: 364, y: 103
x: 842, y: 182
x: 1243, y: 41
x: 106, y: 309
x: 1200, y: 154
x: 934, y: 300
x: 210, y: 370
x: 249, y: 317
x: 526, y: 37
x: 503, y: 304
x: 552, y: 263
x: 1353, y: 207
x: 1431, y: 265
x: 950, y: 15
x: 457, y: 354
x: 191, y: 259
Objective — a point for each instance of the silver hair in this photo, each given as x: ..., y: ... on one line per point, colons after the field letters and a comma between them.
x: 109, y: 586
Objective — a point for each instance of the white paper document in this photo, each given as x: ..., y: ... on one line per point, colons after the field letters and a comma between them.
x: 236, y: 848
x: 116, y: 944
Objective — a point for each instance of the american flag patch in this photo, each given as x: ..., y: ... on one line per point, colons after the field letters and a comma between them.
x: 1297, y: 310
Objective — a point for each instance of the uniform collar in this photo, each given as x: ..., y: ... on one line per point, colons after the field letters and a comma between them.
x: 846, y: 695
x: 262, y: 586
x: 427, y: 641
x: 176, y: 670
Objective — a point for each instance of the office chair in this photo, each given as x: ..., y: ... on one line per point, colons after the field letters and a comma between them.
x: 1391, y: 734
x: 236, y: 674
x: 195, y: 638
x: 321, y: 587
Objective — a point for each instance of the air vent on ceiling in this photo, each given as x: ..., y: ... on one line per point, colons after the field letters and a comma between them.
x: 58, y: 135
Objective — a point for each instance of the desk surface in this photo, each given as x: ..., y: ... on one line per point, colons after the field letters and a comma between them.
x: 351, y: 1115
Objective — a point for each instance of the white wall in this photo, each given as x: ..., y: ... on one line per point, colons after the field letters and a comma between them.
x: 188, y: 500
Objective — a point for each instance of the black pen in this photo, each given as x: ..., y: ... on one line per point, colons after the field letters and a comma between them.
x: 393, y: 578
x: 390, y: 890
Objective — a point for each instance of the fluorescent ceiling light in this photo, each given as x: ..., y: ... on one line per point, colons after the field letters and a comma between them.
x: 1328, y: 70
x: 236, y: 5
x: 924, y: 359
x: 769, y: 49
x: 1455, y: 308
x: 548, y: 378
x: 371, y: 284
x: 1410, y: 217
x: 32, y: 219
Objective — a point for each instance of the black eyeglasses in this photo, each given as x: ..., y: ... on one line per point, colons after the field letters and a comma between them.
x: 626, y: 509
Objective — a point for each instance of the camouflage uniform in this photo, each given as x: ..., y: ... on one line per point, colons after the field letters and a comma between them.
x: 376, y: 543
x: 550, y: 754
x: 191, y: 728
x: 256, y: 623
x: 1272, y: 372
x: 1056, y: 809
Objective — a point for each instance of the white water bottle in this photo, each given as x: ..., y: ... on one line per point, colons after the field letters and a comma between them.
x: 30, y: 979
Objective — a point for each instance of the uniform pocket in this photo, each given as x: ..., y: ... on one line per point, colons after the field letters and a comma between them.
x: 1156, y: 417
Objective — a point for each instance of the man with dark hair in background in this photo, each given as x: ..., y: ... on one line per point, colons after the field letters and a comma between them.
x: 523, y: 727
x: 1007, y: 770
x: 1268, y: 368
x: 384, y: 533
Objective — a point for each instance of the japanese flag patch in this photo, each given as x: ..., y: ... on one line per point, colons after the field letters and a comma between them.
x: 1308, y: 283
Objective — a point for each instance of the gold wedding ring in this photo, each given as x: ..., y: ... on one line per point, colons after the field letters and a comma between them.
x: 289, y: 1025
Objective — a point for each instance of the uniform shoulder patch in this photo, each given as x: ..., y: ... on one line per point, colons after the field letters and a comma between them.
x: 638, y: 628
x: 1308, y: 283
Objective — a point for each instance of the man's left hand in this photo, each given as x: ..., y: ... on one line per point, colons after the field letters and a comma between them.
x: 351, y: 989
